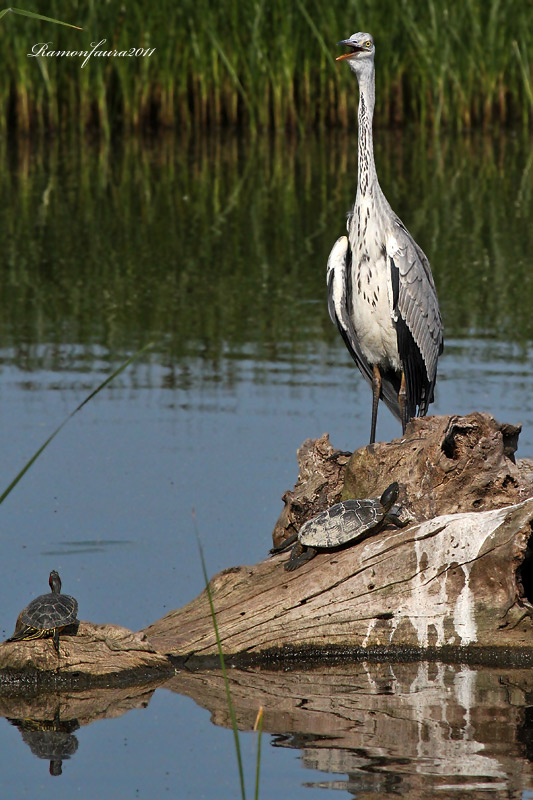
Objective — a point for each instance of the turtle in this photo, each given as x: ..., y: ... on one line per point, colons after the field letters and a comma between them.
x: 348, y: 521
x: 47, y: 615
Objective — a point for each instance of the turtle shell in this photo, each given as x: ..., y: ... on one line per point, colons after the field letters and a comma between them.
x: 343, y: 522
x: 49, y: 611
x: 51, y: 745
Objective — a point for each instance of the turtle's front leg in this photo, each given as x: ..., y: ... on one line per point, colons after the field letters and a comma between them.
x: 392, y: 518
x: 299, y: 555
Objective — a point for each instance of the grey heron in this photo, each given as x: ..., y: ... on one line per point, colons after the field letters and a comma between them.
x: 381, y: 293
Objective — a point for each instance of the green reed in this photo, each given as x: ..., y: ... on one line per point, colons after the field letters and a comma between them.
x: 262, y: 64
x: 116, y: 372
x: 231, y: 708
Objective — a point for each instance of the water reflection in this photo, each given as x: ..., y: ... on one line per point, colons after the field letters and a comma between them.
x: 48, y: 721
x: 209, y: 242
x: 410, y: 729
x: 215, y: 249
x: 85, y: 546
x: 407, y: 729
x: 51, y: 739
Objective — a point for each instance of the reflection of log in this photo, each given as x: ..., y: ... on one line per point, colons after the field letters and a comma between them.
x: 449, y: 581
x: 47, y: 721
x: 435, y: 725
x: 84, y: 705
x: 97, y: 650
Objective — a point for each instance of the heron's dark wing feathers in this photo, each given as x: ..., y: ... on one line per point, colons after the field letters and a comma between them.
x: 340, y: 310
x: 417, y: 316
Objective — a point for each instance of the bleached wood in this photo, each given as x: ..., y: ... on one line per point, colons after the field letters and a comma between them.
x: 450, y: 581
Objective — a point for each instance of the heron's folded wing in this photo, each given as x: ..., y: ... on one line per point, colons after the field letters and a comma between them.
x: 417, y: 316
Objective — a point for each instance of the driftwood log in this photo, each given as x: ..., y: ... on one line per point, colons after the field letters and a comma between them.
x: 450, y: 580
x: 100, y: 651
x: 460, y: 576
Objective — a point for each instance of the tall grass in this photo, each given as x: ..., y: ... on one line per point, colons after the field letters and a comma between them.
x: 260, y: 64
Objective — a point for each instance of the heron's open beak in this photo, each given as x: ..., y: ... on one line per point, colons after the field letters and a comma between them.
x: 353, y: 49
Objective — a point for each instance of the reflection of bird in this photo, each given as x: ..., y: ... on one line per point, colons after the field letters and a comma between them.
x: 47, y: 615
x: 381, y: 293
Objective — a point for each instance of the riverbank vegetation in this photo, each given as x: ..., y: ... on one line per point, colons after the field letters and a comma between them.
x: 259, y: 65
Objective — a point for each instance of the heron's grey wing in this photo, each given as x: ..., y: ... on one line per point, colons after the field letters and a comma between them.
x: 417, y: 317
x: 339, y: 306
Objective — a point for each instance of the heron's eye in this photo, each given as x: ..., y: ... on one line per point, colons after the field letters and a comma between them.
x: 368, y: 44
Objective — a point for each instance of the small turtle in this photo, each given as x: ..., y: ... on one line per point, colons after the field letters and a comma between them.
x: 47, y: 615
x: 349, y: 521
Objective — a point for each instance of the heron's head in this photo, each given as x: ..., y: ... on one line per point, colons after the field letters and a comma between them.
x: 361, y: 52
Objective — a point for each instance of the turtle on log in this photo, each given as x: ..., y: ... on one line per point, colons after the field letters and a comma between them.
x: 47, y: 615
x: 348, y: 521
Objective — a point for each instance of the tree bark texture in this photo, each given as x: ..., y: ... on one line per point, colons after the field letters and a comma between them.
x: 450, y: 581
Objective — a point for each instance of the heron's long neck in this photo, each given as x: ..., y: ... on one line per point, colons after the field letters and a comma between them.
x: 367, y: 177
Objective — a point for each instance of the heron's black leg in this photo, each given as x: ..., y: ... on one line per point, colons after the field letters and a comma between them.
x: 376, y: 391
x: 402, y: 402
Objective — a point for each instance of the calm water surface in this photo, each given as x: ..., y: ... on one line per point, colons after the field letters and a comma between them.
x: 215, y: 251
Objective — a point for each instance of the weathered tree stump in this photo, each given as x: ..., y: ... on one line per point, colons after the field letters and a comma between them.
x: 454, y: 580
x: 321, y: 471
x: 443, y: 464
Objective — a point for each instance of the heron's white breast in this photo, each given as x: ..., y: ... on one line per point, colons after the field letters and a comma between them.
x: 372, y: 298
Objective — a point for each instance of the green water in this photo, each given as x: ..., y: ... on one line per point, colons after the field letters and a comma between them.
x: 216, y: 244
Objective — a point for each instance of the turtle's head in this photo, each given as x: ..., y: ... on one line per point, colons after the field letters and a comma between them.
x: 54, y: 581
x: 389, y: 496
